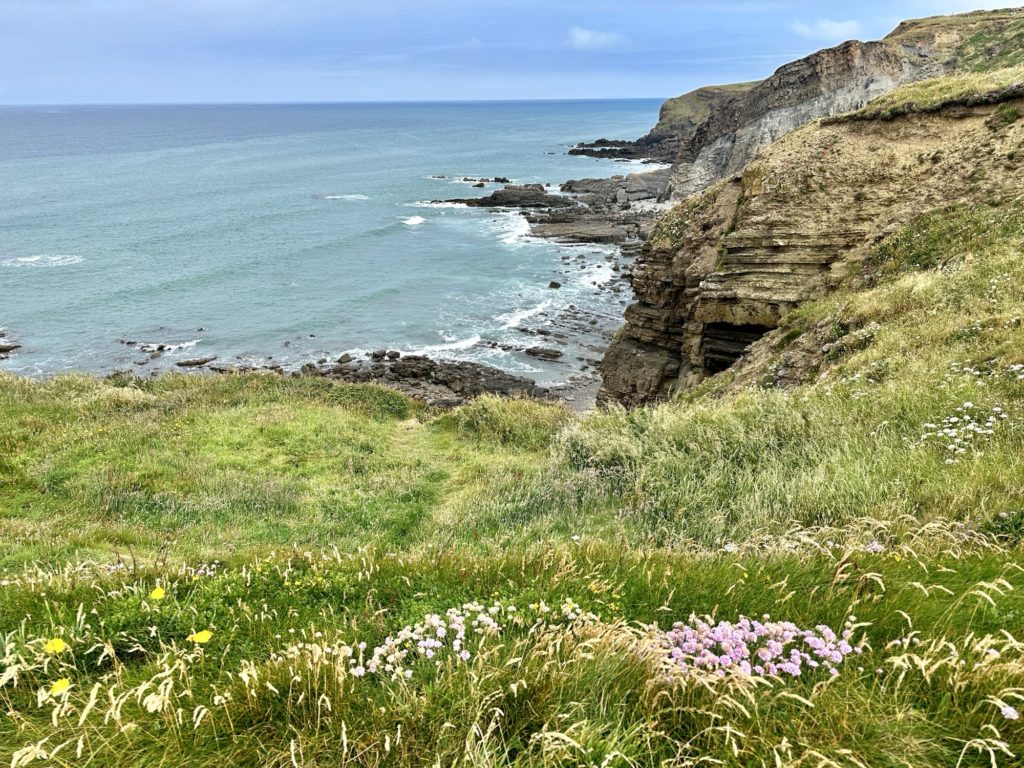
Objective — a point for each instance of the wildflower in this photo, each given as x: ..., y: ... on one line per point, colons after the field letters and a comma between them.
x: 55, y: 645
x: 359, y: 671
x: 157, y: 594
x: 1009, y: 712
x: 874, y: 547
x: 200, y: 637
x: 61, y: 685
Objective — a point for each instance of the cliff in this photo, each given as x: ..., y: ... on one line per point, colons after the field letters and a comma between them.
x: 724, y: 268
x: 714, y: 132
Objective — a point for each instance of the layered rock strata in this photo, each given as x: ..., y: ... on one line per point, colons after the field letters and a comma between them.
x: 724, y: 267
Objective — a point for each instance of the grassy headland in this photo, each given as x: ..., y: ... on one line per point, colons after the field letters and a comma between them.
x: 192, y: 564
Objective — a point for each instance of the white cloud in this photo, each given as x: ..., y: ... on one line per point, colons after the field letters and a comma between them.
x: 592, y: 40
x: 829, y: 29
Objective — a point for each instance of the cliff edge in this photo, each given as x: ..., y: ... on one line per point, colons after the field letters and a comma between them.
x: 725, y: 267
x: 714, y: 132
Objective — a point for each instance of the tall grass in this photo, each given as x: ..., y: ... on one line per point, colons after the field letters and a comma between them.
x: 229, y: 543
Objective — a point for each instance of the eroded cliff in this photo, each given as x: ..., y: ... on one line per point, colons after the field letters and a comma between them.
x: 714, y: 132
x: 726, y: 266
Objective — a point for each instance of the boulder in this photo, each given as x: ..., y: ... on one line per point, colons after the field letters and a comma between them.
x: 195, y: 362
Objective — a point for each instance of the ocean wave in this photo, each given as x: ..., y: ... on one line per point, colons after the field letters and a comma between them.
x: 43, y: 260
x: 155, y: 346
x: 346, y: 197
x: 468, y: 181
x: 515, y: 318
x: 414, y: 221
x: 451, y: 344
x: 436, y: 204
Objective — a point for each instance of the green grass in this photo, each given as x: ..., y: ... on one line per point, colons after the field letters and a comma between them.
x: 695, y: 107
x: 939, y: 92
x: 290, y: 515
x: 977, y: 41
x: 555, y: 693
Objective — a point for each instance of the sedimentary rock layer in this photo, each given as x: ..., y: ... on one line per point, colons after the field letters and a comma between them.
x: 727, y: 265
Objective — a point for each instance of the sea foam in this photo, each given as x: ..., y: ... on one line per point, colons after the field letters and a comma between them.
x: 43, y: 260
x: 515, y: 319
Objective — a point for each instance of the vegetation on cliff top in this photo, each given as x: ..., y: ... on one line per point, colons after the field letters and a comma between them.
x: 695, y: 107
x: 980, y: 41
x: 964, y: 88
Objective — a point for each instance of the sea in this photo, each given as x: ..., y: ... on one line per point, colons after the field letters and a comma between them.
x: 285, y: 234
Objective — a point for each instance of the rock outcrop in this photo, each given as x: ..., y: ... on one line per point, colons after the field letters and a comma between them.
x: 438, y: 383
x: 7, y: 345
x: 725, y: 266
x: 613, y: 210
x: 517, y: 196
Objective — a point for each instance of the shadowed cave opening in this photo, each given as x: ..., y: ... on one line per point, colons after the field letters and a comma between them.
x: 725, y: 343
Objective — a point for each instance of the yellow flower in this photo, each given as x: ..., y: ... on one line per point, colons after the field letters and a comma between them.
x: 157, y: 594
x: 200, y: 637
x: 55, y: 645
x: 59, y: 686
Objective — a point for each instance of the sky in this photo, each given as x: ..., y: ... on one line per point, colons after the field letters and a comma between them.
x: 191, y: 51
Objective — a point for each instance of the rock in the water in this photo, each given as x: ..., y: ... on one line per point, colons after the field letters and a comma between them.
x: 554, y: 284
x: 195, y: 362
x: 544, y: 353
x: 512, y: 196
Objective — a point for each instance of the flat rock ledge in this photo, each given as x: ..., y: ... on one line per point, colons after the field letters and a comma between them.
x: 517, y: 196
x: 438, y: 383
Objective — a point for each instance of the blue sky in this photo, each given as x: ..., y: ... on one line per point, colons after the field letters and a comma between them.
x: 127, y: 51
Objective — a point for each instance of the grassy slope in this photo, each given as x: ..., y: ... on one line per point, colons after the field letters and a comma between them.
x: 938, y: 92
x: 693, y: 108
x: 340, y: 514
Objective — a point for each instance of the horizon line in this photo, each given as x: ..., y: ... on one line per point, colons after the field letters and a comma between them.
x: 355, y: 102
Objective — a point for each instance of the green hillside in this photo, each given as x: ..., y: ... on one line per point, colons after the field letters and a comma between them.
x: 193, y: 565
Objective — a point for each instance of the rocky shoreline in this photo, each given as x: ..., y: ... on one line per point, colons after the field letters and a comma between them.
x: 617, y: 212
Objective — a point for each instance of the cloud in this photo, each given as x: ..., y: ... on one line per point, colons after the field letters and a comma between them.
x: 591, y: 40
x: 828, y: 29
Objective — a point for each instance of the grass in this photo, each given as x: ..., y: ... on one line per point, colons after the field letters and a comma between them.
x: 293, y: 519
x: 937, y: 93
x: 695, y: 107
x: 978, y: 41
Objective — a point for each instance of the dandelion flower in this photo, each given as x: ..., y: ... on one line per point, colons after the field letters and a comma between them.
x: 59, y: 686
x: 200, y: 637
x: 55, y: 645
x: 157, y: 594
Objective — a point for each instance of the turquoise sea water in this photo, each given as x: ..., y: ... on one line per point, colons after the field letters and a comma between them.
x: 285, y: 232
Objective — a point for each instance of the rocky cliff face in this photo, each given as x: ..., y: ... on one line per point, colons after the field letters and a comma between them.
x: 714, y: 132
x: 724, y: 267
